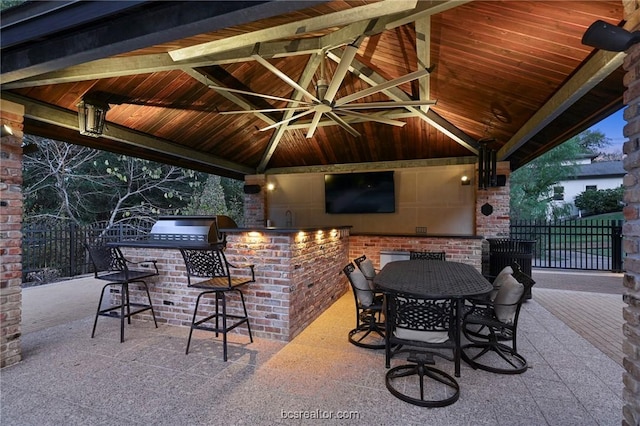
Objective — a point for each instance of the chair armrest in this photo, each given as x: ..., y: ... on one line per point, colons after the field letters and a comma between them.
x: 152, y: 261
x: 244, y: 266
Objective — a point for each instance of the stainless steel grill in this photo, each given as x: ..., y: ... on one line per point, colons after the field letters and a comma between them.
x: 191, y: 228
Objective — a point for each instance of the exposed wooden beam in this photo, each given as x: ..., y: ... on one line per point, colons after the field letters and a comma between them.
x: 68, y: 119
x: 293, y: 29
x: 596, y: 69
x: 423, y: 53
x: 425, y: 9
x: 381, y: 165
x: 145, y: 64
x: 164, y: 22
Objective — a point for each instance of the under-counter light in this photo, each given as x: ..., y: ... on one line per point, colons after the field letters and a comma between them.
x: 6, y: 130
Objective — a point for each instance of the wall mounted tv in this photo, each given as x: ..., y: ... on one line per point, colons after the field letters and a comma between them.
x: 366, y: 192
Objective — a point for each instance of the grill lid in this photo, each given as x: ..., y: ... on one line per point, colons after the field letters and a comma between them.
x: 191, y: 228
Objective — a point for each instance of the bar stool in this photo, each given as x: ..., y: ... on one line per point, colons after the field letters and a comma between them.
x: 212, y: 265
x: 110, y: 265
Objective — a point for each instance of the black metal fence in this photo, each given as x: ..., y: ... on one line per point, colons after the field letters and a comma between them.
x: 580, y: 244
x: 50, y: 252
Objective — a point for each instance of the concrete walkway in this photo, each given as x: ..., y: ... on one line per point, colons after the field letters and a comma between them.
x: 68, y: 378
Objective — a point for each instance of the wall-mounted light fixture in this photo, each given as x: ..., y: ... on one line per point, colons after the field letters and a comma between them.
x: 609, y: 37
x: 271, y: 186
x: 91, y: 117
x: 464, y: 180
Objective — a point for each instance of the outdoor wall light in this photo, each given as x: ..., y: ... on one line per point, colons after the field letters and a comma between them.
x: 605, y: 36
x: 271, y: 186
x: 464, y: 180
x: 91, y: 117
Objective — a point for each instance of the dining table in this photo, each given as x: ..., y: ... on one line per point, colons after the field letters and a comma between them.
x: 435, y: 279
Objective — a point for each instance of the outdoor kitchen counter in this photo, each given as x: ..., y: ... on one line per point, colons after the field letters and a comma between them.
x: 297, y: 273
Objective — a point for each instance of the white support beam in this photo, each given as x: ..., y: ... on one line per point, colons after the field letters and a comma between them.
x: 293, y: 29
x: 586, y: 78
x: 67, y: 119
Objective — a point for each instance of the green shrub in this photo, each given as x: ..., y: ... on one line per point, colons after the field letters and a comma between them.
x: 601, y: 201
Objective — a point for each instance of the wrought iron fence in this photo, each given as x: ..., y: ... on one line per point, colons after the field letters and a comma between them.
x: 577, y: 244
x: 50, y: 252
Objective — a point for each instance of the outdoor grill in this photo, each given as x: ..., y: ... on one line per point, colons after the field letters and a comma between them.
x: 185, y: 231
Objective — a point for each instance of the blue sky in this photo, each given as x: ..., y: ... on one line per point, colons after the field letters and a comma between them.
x: 612, y: 128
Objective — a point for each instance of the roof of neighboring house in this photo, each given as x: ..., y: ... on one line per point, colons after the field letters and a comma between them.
x: 600, y: 170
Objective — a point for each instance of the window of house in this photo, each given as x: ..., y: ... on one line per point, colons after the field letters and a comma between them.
x: 591, y: 188
x: 558, y: 193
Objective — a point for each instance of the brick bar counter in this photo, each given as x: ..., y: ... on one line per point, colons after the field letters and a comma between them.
x: 297, y: 275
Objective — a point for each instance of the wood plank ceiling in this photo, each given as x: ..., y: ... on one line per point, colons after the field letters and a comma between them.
x: 512, y: 72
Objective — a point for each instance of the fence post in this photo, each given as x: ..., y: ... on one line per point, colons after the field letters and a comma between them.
x: 616, y: 246
x: 72, y: 249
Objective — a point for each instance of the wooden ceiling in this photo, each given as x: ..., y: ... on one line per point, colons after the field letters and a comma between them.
x: 511, y: 72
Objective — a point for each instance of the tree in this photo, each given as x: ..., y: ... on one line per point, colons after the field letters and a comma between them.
x: 532, y: 185
x: 69, y: 182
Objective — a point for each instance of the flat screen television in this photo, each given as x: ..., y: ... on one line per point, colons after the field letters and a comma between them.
x: 366, y: 192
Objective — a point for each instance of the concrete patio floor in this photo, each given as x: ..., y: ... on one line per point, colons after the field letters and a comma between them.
x: 68, y: 378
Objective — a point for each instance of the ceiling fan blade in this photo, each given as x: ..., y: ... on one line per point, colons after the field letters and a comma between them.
x: 260, y: 95
x: 385, y: 104
x: 341, y: 71
x: 293, y: 117
x: 284, y: 77
x: 370, y: 117
x: 314, y: 124
x: 380, y: 87
x: 343, y: 124
x: 250, y: 111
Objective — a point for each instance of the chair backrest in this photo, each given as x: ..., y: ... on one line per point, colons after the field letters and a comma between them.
x: 360, y: 285
x: 366, y: 267
x: 427, y: 255
x: 428, y: 321
x: 106, y: 259
x: 210, y: 263
x: 511, y: 294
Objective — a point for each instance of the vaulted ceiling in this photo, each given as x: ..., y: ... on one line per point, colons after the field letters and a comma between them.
x: 511, y: 74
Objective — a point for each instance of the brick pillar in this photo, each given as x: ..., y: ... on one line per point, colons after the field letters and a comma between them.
x: 255, y: 204
x: 11, y: 115
x: 492, y: 207
x: 631, y: 235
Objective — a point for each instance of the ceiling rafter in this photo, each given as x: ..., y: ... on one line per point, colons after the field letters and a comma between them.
x: 601, y: 64
x: 295, y: 29
x: 57, y: 116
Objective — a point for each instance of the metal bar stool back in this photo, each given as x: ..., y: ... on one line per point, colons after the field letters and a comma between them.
x: 110, y: 265
x: 209, y: 271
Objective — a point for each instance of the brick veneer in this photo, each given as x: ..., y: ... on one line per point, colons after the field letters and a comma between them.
x: 297, y: 278
x: 10, y: 234
x: 631, y: 233
x: 457, y: 249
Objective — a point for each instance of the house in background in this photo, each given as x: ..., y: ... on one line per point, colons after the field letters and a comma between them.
x: 590, y: 176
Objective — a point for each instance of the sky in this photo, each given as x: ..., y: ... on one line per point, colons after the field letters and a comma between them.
x: 612, y: 128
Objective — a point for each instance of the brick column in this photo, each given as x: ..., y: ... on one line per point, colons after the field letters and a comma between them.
x: 255, y: 204
x: 492, y: 207
x: 11, y: 115
x: 631, y: 242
